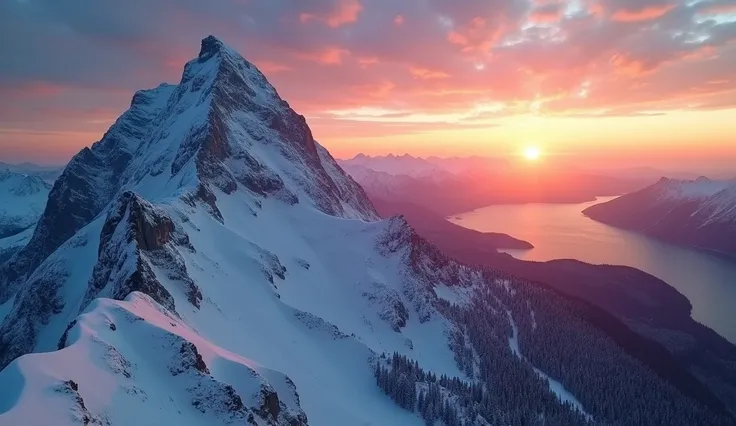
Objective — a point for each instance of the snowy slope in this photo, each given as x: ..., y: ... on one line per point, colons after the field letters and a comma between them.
x: 700, y: 212
x: 208, y: 263
x: 10, y: 245
x: 22, y: 200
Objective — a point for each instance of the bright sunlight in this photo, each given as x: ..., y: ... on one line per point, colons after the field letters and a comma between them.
x: 532, y: 153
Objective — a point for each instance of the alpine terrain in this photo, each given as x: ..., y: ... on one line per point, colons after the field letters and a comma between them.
x: 699, y: 213
x: 22, y: 200
x: 208, y: 263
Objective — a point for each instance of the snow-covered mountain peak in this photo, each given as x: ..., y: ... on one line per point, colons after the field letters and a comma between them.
x: 226, y: 127
x: 22, y: 199
x: 222, y: 129
x: 699, y: 188
x: 22, y: 184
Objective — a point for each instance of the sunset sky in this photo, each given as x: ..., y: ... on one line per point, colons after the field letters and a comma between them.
x: 635, y: 81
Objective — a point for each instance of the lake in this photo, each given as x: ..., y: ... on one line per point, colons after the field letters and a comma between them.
x: 561, y: 231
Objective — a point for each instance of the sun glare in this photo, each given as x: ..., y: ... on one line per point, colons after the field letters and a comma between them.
x: 532, y: 153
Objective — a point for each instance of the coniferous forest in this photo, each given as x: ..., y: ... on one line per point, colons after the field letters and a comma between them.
x: 512, y: 336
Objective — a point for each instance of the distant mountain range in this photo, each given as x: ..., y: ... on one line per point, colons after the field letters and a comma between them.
x: 434, y: 168
x: 24, y: 189
x: 698, y: 213
x: 47, y: 173
x: 454, y: 185
x: 22, y: 200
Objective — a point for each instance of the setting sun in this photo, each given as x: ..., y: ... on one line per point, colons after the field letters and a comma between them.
x: 532, y: 153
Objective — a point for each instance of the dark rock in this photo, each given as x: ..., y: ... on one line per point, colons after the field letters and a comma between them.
x: 233, y: 401
x: 190, y: 358
x: 270, y: 405
x: 62, y: 341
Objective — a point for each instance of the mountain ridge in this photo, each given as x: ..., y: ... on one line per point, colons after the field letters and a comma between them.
x: 699, y: 213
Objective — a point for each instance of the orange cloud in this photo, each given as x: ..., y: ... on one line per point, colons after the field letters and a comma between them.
x: 427, y: 73
x: 647, y: 14
x: 627, y: 65
x: 347, y: 12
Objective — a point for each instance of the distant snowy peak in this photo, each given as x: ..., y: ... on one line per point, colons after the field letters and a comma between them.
x: 699, y: 188
x: 47, y: 173
x: 22, y: 185
x: 22, y: 200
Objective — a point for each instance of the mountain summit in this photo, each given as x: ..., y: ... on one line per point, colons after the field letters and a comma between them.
x: 208, y: 263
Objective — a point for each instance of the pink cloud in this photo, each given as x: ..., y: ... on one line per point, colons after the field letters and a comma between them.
x: 447, y: 57
x: 368, y: 61
x: 648, y: 13
x: 426, y: 73
x: 478, y: 35
x: 345, y: 12
x: 270, y: 67
x: 326, y: 56
x: 718, y: 8
x: 551, y: 12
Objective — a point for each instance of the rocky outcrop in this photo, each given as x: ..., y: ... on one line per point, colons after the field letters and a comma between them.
x: 79, y: 412
x: 136, y: 238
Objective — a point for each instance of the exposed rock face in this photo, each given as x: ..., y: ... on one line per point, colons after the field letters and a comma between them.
x: 700, y: 213
x: 270, y: 407
x: 222, y: 146
x: 79, y: 411
x: 136, y: 238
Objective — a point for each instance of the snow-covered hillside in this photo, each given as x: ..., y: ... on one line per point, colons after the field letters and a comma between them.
x: 208, y: 263
x: 22, y: 200
x: 700, y: 212
x: 47, y: 173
